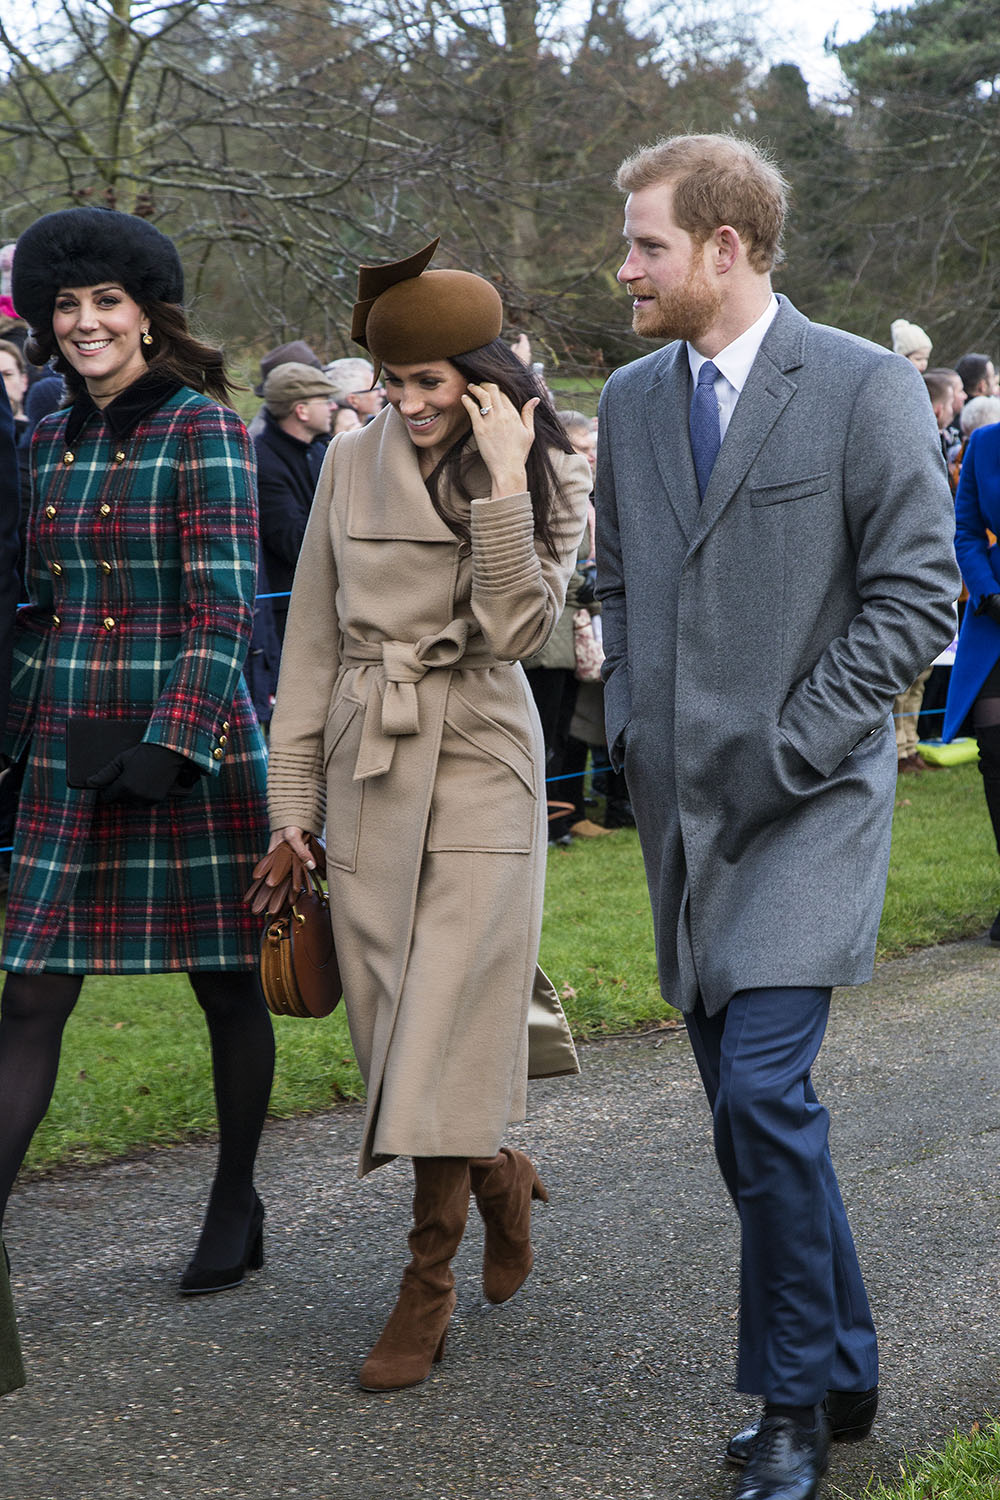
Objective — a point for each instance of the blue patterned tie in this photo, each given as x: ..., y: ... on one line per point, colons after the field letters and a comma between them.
x: 703, y: 422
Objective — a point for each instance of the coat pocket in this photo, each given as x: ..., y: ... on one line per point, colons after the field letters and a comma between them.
x: 791, y: 489
x: 484, y: 797
x: 341, y: 740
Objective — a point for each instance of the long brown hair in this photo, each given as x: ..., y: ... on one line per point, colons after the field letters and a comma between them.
x: 174, y: 352
x: 496, y: 362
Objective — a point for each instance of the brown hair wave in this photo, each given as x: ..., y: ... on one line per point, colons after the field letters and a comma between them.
x: 496, y: 362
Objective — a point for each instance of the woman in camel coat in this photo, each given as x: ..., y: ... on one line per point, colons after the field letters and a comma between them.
x: 404, y: 721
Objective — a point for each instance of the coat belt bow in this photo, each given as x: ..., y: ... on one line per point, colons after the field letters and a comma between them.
x: 392, y: 708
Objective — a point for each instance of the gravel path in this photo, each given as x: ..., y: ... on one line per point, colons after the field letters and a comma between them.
x: 609, y: 1377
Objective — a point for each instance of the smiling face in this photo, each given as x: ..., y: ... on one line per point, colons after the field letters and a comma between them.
x: 665, y: 270
x: 99, y: 332
x: 429, y: 399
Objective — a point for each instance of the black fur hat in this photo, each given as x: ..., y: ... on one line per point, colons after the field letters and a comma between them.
x: 85, y: 246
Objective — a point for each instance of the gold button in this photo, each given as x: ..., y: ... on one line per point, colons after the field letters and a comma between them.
x: 67, y: 458
x: 109, y: 623
x: 56, y: 621
x: 105, y: 510
x: 222, y: 739
x: 218, y: 754
x: 105, y: 567
x: 57, y: 569
x: 119, y: 457
x: 226, y: 726
x: 50, y: 511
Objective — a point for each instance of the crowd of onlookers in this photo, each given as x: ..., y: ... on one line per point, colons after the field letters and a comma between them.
x: 305, y: 402
x: 963, y: 397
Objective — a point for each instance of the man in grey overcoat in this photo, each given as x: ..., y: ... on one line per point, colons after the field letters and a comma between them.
x: 774, y: 542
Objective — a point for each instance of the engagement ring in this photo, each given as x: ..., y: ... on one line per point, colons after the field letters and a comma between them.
x: 485, y: 410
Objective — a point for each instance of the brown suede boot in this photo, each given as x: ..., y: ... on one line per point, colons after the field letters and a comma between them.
x: 504, y: 1186
x: 413, y: 1339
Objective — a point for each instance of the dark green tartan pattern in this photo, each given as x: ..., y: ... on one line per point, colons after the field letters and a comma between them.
x: 142, y: 611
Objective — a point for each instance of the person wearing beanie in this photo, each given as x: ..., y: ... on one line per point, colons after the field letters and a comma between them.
x: 290, y: 450
x: 142, y: 807
x: 911, y: 342
x: 436, y: 559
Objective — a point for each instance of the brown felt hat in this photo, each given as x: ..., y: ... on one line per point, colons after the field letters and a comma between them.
x: 406, y: 314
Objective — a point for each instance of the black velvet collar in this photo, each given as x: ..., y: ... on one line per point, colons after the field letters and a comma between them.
x: 126, y: 411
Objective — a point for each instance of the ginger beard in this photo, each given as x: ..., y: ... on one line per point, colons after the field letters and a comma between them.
x: 683, y: 312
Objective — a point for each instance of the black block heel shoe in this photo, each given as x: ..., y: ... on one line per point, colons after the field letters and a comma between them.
x: 198, y: 1278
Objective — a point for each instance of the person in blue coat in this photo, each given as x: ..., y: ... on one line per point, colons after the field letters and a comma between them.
x: 974, y: 691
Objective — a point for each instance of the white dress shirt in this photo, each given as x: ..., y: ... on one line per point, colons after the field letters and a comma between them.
x: 733, y: 363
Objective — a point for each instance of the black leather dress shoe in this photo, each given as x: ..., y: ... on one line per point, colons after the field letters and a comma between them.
x: 849, y: 1415
x: 787, y: 1461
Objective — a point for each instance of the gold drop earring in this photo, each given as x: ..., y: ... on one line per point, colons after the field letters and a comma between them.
x: 147, y: 337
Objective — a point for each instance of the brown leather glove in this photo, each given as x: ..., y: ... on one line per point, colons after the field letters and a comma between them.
x: 280, y: 878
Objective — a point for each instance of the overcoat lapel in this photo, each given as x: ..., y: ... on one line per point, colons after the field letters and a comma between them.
x: 668, y: 400
x: 391, y: 505
x: 764, y: 397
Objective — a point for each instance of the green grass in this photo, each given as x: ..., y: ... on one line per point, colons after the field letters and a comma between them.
x: 944, y: 877
x: 966, y: 1468
x: 135, y: 1069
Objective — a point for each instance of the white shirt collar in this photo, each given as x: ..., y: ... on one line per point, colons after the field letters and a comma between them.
x: 735, y: 360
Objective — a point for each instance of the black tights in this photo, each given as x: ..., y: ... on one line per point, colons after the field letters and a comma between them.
x: 986, y: 727
x: 33, y: 1012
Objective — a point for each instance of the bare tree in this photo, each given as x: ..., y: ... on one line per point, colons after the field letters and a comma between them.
x: 283, y: 145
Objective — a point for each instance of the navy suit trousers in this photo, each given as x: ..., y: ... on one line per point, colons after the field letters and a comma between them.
x: 805, y: 1324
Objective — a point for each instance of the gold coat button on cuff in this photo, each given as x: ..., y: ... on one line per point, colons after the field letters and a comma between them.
x: 109, y: 623
x: 50, y: 511
x: 56, y: 621
x: 218, y: 754
x: 105, y: 567
x: 226, y: 726
x: 223, y: 739
x: 67, y: 458
x: 119, y: 457
x: 57, y: 569
x: 105, y: 510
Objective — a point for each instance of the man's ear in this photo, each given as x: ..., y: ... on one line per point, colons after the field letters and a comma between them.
x: 726, y: 245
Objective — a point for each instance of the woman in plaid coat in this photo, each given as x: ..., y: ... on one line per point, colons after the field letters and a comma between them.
x: 142, y: 554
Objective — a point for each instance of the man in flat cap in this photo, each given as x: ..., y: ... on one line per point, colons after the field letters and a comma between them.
x: 290, y: 449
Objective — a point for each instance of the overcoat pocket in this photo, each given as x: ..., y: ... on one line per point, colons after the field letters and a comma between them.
x: 484, y: 797
x: 341, y: 741
x: 790, y: 489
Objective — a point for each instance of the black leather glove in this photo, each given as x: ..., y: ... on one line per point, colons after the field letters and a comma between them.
x: 989, y: 604
x: 588, y: 583
x: 146, y: 774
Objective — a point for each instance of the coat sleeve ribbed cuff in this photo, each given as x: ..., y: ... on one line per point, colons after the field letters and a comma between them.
x: 296, y: 791
x: 503, y: 543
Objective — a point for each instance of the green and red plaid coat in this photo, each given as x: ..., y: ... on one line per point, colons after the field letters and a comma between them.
x: 142, y: 555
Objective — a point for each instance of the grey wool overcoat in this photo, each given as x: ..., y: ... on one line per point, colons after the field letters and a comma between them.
x: 755, y: 641
x: 404, y: 717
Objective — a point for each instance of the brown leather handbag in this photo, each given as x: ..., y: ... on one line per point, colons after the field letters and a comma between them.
x: 299, y: 973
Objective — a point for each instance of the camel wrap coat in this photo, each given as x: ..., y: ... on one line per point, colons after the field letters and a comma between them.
x: 404, y: 718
